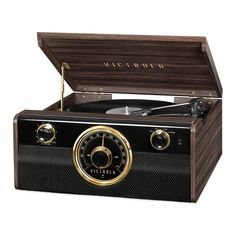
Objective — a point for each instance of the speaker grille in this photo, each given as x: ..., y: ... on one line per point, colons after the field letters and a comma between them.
x: 152, y: 176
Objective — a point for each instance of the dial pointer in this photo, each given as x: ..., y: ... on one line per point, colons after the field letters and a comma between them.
x: 103, y: 140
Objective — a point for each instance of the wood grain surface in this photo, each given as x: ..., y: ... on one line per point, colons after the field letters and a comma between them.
x: 206, y: 148
x: 169, y: 65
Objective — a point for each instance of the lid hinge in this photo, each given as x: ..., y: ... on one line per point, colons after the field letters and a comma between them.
x: 64, y: 66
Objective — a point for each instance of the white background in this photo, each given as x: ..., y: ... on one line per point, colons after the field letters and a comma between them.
x: 28, y: 80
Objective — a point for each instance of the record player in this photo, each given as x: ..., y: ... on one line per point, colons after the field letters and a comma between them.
x: 90, y: 143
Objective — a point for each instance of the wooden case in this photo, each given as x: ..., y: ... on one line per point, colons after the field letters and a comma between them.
x: 161, y: 65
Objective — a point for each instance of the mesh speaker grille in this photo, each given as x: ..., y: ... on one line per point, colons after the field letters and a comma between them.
x: 152, y: 176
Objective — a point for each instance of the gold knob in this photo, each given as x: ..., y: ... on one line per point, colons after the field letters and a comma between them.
x: 101, y: 157
x: 45, y: 133
x: 160, y: 139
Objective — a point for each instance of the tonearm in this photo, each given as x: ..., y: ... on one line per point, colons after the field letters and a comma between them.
x: 195, y: 107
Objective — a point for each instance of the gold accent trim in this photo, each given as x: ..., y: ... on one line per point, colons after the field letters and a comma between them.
x: 122, y: 139
x: 160, y: 132
x: 64, y: 67
x: 103, y: 139
x: 136, y: 65
x: 105, y: 151
x: 47, y: 126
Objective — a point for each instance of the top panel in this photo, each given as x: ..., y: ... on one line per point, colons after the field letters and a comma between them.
x: 160, y: 65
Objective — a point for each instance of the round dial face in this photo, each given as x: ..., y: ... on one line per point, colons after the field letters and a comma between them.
x: 102, y: 155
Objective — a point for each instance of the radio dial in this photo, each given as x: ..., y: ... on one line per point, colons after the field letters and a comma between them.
x: 102, y: 155
x: 45, y: 133
x: 160, y: 139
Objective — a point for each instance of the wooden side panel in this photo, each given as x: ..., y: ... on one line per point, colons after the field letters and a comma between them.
x: 15, y: 145
x: 206, y: 148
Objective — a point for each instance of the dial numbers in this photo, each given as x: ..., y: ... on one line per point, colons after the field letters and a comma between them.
x: 102, y: 156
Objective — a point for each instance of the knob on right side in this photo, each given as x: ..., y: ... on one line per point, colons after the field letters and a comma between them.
x: 160, y: 139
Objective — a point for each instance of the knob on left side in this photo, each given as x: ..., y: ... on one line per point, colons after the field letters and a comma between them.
x: 45, y: 133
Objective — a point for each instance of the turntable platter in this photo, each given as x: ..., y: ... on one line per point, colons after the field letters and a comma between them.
x: 118, y: 106
x: 196, y: 107
x: 127, y: 110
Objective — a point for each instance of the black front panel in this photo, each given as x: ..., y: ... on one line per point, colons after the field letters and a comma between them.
x: 154, y: 174
x: 138, y: 135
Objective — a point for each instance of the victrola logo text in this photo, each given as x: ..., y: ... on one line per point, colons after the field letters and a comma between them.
x: 99, y: 171
x: 133, y: 65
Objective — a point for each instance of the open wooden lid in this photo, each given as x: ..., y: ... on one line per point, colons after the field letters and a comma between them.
x: 160, y: 65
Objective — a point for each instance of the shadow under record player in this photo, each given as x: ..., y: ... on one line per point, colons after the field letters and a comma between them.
x: 89, y: 143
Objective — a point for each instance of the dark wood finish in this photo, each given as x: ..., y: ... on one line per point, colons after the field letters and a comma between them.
x: 206, y: 148
x: 207, y: 54
x: 188, y: 65
x: 15, y: 143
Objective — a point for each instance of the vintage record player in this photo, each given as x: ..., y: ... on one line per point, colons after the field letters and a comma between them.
x: 90, y: 143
